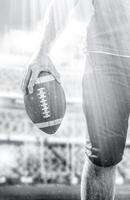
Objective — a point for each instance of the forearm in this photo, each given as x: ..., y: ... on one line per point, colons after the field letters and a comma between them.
x: 50, y: 29
x: 54, y: 22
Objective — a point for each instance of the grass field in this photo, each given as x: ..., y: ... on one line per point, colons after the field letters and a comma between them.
x: 52, y: 192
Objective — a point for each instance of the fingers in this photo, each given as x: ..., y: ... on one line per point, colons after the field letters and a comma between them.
x: 32, y: 81
x: 33, y: 73
x: 50, y: 68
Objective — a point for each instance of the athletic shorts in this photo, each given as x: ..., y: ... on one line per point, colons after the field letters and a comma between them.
x: 106, y: 105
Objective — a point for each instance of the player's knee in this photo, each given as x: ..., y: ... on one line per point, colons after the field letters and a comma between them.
x: 104, y: 158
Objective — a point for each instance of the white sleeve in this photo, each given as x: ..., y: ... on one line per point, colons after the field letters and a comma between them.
x: 83, y: 11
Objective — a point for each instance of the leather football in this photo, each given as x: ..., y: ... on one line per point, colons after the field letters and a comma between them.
x: 46, y: 106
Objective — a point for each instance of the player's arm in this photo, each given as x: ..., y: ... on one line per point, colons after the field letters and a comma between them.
x: 54, y: 24
x: 55, y: 20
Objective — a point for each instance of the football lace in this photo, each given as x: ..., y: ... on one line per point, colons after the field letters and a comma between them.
x: 43, y: 102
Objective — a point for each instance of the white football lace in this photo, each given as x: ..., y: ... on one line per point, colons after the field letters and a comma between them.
x: 43, y: 102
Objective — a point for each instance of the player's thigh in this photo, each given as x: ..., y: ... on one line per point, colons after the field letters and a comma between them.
x: 106, y: 111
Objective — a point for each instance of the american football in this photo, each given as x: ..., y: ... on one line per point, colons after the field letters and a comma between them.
x: 47, y: 104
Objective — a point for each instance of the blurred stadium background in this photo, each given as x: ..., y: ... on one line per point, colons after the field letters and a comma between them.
x: 28, y: 156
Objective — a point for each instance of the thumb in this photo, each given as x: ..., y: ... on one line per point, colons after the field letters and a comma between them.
x: 56, y: 76
x: 32, y: 81
x: 55, y: 73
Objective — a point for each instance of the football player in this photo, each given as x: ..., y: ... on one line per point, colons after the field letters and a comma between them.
x: 106, y: 84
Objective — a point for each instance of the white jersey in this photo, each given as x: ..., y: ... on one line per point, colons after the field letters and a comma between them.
x: 109, y: 29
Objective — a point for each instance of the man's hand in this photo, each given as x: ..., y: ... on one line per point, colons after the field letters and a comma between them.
x: 42, y: 62
x: 37, y: 65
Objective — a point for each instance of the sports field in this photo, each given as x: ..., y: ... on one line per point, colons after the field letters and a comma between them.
x: 52, y: 192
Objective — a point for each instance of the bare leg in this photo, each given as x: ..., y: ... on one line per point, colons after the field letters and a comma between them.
x: 97, y: 182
